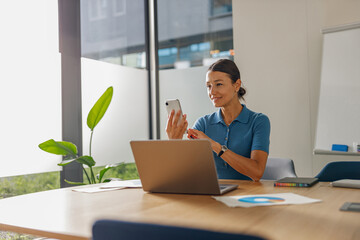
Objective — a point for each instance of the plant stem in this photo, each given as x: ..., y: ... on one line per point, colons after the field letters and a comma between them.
x: 91, y: 170
x: 91, y: 136
x: 86, y: 174
x: 92, y: 175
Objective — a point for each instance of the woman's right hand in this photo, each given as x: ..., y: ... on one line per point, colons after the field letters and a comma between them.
x: 175, y: 129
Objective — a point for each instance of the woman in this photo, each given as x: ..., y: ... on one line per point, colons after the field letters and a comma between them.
x: 239, y: 137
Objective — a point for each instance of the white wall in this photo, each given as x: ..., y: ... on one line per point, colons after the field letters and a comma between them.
x: 278, y: 46
x: 330, y: 13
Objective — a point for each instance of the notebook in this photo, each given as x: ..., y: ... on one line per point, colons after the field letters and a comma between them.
x: 296, y: 182
x: 177, y: 166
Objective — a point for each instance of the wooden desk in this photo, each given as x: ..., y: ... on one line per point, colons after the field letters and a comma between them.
x: 66, y: 214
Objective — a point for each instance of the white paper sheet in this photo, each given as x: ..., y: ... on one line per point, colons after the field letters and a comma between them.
x: 110, y: 186
x: 94, y: 189
x: 265, y: 200
x: 136, y: 183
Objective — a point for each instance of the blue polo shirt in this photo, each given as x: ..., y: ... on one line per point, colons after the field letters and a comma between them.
x: 249, y: 131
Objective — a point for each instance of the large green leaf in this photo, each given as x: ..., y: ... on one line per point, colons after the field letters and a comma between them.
x: 107, y: 168
x: 59, y: 148
x: 87, y: 160
x: 99, y: 109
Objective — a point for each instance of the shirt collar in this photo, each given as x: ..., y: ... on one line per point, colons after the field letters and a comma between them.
x: 243, y: 116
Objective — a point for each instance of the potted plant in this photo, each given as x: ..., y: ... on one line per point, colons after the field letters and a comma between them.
x: 69, y: 150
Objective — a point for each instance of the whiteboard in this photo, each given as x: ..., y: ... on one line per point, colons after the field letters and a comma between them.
x: 338, y: 119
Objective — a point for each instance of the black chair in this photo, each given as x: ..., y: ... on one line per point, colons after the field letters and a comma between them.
x: 339, y: 170
x: 121, y: 230
x: 277, y: 168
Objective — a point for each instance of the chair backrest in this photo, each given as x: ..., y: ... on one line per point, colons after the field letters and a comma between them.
x: 277, y: 168
x: 339, y: 170
x: 120, y: 230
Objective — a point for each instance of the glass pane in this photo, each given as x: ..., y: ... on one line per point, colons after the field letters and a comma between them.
x: 208, y: 39
x: 187, y: 85
x: 30, y: 88
x: 109, y: 42
x: 113, y: 31
x: 186, y: 52
x: 219, y: 7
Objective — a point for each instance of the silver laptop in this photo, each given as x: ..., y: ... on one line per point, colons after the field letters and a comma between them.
x: 177, y: 166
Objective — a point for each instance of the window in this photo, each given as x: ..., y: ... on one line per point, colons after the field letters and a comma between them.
x: 190, y: 38
x: 113, y: 54
x: 207, y: 39
x: 119, y: 7
x: 120, y: 37
x: 221, y: 7
x: 30, y: 86
x: 97, y: 9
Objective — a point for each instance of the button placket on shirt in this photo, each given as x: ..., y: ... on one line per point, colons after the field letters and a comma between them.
x: 226, y: 141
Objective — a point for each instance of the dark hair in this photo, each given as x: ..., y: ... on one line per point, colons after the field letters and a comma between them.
x: 229, y: 67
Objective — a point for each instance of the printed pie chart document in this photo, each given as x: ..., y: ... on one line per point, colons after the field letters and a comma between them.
x: 265, y: 200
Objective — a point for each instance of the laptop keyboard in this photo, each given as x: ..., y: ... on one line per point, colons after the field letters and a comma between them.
x: 223, y: 186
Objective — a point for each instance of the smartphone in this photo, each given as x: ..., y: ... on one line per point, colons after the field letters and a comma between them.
x: 351, y: 206
x: 173, y: 104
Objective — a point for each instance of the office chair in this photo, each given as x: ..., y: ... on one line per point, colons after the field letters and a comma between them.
x: 121, y: 230
x: 339, y: 170
x: 277, y: 168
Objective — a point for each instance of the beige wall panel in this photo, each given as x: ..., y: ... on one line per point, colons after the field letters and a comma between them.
x: 278, y: 46
x: 270, y: 41
x: 339, y: 12
x: 324, y: 14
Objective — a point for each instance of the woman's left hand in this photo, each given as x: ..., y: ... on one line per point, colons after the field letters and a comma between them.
x: 196, y: 134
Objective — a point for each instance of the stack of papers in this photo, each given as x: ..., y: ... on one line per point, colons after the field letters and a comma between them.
x: 265, y: 200
x: 110, y: 186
